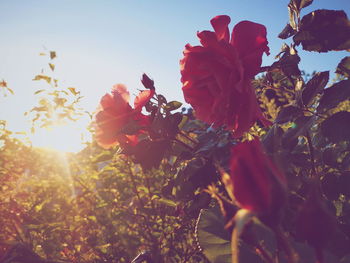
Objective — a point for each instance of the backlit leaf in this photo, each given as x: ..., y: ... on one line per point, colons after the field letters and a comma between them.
x: 52, y: 54
x: 212, y: 237
x: 287, y: 32
x: 343, y: 67
x: 52, y: 66
x: 173, y: 105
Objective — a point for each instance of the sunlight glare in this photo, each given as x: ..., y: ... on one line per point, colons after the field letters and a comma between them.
x: 65, y: 138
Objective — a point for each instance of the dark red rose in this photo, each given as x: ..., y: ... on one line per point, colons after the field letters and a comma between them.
x: 116, y: 121
x: 257, y: 184
x: 217, y: 75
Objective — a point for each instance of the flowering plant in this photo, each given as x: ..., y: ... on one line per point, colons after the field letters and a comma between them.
x: 254, y: 147
x: 254, y: 169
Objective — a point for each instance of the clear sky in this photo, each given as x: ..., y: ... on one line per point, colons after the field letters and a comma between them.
x: 100, y: 43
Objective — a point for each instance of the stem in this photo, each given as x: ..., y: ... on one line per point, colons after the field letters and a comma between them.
x: 312, y: 154
x: 319, y: 255
x: 234, y: 245
x: 264, y: 254
x: 284, y: 244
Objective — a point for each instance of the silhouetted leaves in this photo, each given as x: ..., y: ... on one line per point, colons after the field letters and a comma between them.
x: 314, y: 86
x: 337, y: 127
x: 288, y: 62
x: 324, y: 30
x: 333, y: 95
x: 150, y: 153
x: 288, y: 113
x: 287, y: 32
x: 343, y: 67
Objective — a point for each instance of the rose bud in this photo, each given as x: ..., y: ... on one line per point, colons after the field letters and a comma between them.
x: 147, y: 82
x: 255, y: 182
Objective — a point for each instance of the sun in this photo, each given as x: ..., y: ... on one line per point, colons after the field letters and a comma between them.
x: 69, y: 137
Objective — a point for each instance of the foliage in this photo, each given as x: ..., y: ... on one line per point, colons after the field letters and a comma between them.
x: 165, y: 182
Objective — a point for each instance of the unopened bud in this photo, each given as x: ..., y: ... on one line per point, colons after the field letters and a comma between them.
x: 147, y: 82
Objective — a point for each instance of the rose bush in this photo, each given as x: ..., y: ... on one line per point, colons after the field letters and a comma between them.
x: 115, y: 116
x: 217, y: 76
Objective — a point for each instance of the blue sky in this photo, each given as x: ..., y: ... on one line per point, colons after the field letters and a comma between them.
x: 101, y: 43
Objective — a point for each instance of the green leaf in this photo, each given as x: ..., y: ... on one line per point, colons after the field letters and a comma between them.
x: 43, y: 77
x: 343, y: 67
x: 39, y: 91
x: 73, y: 91
x: 299, y: 127
x: 212, y: 237
x: 215, y: 242
x: 324, y: 30
x: 287, y: 32
x: 314, y: 86
x: 305, y: 3
x: 333, y: 95
x: 337, y: 127
x: 287, y: 114
x: 52, y: 54
x: 52, y: 66
x: 288, y: 62
x: 292, y: 15
x: 173, y: 105
x: 3, y: 84
x: 299, y: 4
x: 272, y: 139
x: 167, y: 202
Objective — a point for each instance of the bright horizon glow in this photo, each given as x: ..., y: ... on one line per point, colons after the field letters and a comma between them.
x: 102, y: 43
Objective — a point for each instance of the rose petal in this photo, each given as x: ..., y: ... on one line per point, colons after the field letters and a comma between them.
x: 142, y: 99
x: 249, y: 39
x: 120, y: 93
x: 220, y: 25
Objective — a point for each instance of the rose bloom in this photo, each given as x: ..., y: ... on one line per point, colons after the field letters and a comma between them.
x: 217, y: 76
x: 115, y: 116
x: 256, y: 182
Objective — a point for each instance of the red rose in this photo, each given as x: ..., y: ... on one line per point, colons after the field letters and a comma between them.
x: 257, y: 184
x: 217, y: 76
x: 115, y: 115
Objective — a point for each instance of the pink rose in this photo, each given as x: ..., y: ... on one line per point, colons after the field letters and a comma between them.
x: 115, y: 115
